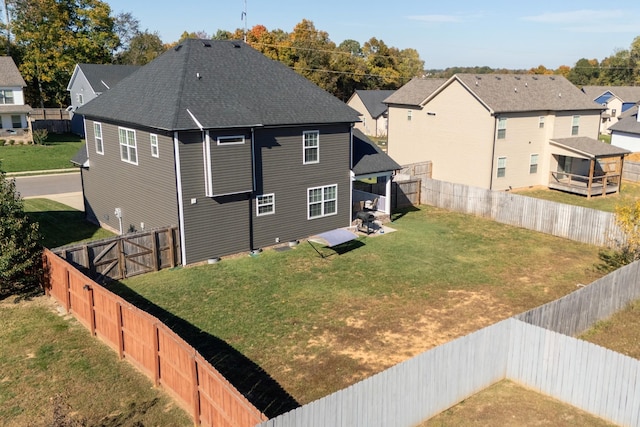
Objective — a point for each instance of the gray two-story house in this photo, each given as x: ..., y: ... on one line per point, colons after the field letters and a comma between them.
x: 237, y: 150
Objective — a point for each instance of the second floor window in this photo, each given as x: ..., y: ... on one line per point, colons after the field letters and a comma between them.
x: 502, y: 128
x: 541, y: 122
x: 533, y: 164
x: 154, y: 145
x: 502, y: 167
x: 575, y: 125
x: 128, y: 147
x: 6, y: 96
x: 97, y: 134
x: 311, y: 146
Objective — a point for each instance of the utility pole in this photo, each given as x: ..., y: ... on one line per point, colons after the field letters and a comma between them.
x: 6, y: 13
x: 243, y: 17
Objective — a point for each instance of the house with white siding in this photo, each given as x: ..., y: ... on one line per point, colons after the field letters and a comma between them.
x: 14, y: 113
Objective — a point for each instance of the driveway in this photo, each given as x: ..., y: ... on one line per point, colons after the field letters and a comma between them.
x: 65, y: 188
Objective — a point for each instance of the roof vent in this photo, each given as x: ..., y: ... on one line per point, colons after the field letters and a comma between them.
x: 498, y: 78
x: 198, y: 76
x: 515, y: 89
x: 177, y: 48
x: 517, y: 77
x: 525, y: 84
x: 559, y: 95
x: 237, y: 45
x: 476, y: 83
x: 206, y: 43
x: 534, y: 77
x: 552, y: 78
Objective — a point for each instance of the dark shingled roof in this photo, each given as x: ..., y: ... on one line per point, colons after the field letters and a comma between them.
x: 368, y: 158
x: 372, y: 100
x: 81, y: 157
x: 216, y: 84
x: 590, y: 147
x: 415, y: 92
x: 105, y: 76
x: 9, y: 74
x: 628, y: 125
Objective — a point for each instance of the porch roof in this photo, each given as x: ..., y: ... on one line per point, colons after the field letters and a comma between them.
x: 589, y: 147
x: 368, y: 158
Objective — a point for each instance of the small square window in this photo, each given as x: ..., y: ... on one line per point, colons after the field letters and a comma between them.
x: 409, y: 115
x: 541, y: 122
x: 155, y: 152
x: 265, y: 204
x: 231, y: 140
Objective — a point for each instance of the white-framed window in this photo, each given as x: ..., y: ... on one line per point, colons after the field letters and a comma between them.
x: 97, y: 135
x: 265, y: 204
x: 502, y: 167
x: 128, y: 146
x: 231, y: 140
x: 16, y: 121
x: 575, y: 125
x: 6, y: 96
x: 322, y: 201
x: 80, y: 99
x: 311, y: 147
x: 155, y: 151
x: 502, y: 128
x: 409, y: 115
x: 541, y: 122
x: 533, y: 164
x: 613, y: 112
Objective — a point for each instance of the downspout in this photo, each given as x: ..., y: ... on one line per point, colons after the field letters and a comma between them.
x: 176, y: 154
x: 493, y: 152
x: 351, y: 175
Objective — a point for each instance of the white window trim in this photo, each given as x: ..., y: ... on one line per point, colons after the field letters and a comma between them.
x: 322, y: 202
x: 98, y: 125
x: 409, y: 115
x: 304, y: 147
x: 230, y: 140
x: 541, y: 121
x: 498, y: 167
x: 272, y: 204
x: 153, y: 139
x: 537, y: 163
x: 502, y: 126
x: 575, y: 123
x: 134, y: 146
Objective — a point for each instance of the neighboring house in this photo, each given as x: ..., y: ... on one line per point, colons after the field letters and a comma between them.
x: 236, y: 149
x: 372, y: 109
x: 90, y: 80
x: 615, y: 99
x: 370, y: 163
x: 14, y: 123
x: 626, y: 132
x: 504, y: 131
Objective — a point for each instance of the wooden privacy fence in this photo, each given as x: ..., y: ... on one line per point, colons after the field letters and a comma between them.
x: 571, y: 222
x: 151, y: 346
x: 589, y: 377
x: 126, y: 255
x: 49, y: 114
x: 631, y: 171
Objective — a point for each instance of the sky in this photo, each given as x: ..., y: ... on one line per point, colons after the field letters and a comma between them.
x: 499, y: 34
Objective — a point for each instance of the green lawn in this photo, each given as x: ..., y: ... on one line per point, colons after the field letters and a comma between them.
x: 51, y: 362
x: 56, y: 154
x: 318, y: 325
x: 630, y: 192
x: 61, y: 225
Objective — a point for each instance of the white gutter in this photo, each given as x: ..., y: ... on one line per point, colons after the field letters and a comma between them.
x: 176, y: 153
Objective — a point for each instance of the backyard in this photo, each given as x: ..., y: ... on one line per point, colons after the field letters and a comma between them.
x: 55, y: 154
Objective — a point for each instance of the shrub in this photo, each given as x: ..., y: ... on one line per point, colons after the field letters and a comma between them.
x: 20, y: 249
x: 40, y: 136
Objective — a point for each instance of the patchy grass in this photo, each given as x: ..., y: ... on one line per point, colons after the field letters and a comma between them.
x: 50, y: 362
x: 630, y: 192
x: 61, y: 225
x: 620, y: 333
x: 318, y: 325
x: 56, y: 154
x: 508, y: 404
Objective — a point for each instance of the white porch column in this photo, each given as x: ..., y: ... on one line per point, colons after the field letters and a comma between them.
x: 387, y: 200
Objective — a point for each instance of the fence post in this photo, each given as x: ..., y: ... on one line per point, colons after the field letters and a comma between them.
x: 172, y: 252
x: 67, y: 290
x: 196, y: 391
x: 120, y: 332
x: 122, y: 271
x: 154, y: 251
x: 156, y: 356
x: 92, y: 316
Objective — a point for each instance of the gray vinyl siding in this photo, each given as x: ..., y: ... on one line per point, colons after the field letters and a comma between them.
x: 218, y: 226
x: 280, y: 170
x: 146, y: 192
x: 213, y: 226
x: 231, y: 165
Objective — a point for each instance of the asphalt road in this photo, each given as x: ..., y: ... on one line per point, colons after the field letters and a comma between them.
x: 45, y: 185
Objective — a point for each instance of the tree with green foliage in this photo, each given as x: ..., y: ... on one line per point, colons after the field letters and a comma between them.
x: 142, y: 49
x: 20, y: 249
x: 585, y: 72
x: 52, y: 36
x: 627, y: 217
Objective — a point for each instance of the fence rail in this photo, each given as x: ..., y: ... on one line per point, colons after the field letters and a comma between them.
x: 571, y: 222
x: 151, y: 346
x: 126, y: 255
x: 631, y: 171
x: 49, y: 114
x: 576, y: 372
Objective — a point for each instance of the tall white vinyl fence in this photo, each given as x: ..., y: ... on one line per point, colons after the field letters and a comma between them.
x: 594, y: 379
x: 571, y: 222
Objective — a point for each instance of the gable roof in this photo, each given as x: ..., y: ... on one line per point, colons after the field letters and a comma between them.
x: 373, y: 100
x: 628, y: 124
x: 9, y: 74
x: 206, y: 84
x: 624, y: 93
x: 102, y: 77
x: 590, y: 147
x: 368, y: 158
x: 415, y: 92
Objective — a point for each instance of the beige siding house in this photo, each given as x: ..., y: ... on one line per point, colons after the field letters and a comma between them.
x: 502, y: 132
x: 372, y: 109
x: 615, y: 100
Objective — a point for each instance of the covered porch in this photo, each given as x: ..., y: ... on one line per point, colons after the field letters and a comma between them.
x: 586, y: 166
